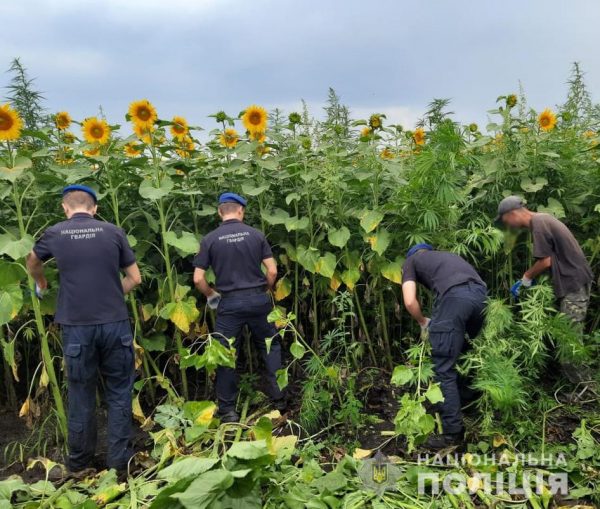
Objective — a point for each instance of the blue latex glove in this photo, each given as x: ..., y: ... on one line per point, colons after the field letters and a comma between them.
x: 515, y: 289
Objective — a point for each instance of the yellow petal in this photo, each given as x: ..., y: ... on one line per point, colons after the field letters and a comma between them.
x: 361, y: 454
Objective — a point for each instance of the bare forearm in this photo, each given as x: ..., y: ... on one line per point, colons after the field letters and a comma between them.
x: 271, y: 279
x: 414, y: 309
x: 203, y: 287
x: 538, y: 267
x: 36, y: 269
x: 128, y: 284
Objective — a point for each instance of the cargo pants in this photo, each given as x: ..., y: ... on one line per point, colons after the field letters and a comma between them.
x: 236, y: 310
x: 457, y: 312
x: 575, y: 304
x: 108, y: 349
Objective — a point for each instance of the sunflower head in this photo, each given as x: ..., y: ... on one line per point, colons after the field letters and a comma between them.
x: 375, y: 121
x: 180, y: 127
x: 144, y: 133
x: 229, y: 138
x: 255, y: 119
x: 132, y: 150
x: 295, y: 118
x: 306, y: 143
x: 68, y: 137
x: 10, y: 123
x: 186, y: 145
x: 94, y: 151
x: 473, y: 127
x: 142, y: 113
x: 221, y: 116
x: 419, y: 136
x: 511, y: 100
x: 258, y: 136
x: 547, y: 120
x: 62, y: 120
x: 386, y: 153
x: 95, y: 130
x: 365, y: 132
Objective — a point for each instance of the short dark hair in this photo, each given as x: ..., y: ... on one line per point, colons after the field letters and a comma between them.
x: 77, y: 199
x: 229, y: 207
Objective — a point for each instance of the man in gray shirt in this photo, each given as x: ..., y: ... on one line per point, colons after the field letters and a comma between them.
x: 554, y: 248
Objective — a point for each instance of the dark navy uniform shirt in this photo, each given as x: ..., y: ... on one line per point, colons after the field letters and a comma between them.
x: 439, y: 270
x: 89, y: 255
x: 235, y: 252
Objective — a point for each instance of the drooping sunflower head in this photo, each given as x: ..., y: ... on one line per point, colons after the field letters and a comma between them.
x: 68, y: 137
x: 386, y: 153
x: 255, y: 119
x: 511, y: 100
x: 473, y: 127
x: 62, y: 120
x: 132, y: 150
x: 365, y: 131
x: 258, y: 136
x: 186, y: 146
x: 419, y: 136
x: 375, y: 121
x: 180, y: 127
x: 547, y: 120
x: 229, y: 138
x: 95, y: 130
x: 94, y: 151
x: 142, y: 113
x: 144, y: 133
x: 10, y: 123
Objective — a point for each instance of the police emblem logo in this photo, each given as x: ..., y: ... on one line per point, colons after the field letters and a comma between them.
x: 379, y: 473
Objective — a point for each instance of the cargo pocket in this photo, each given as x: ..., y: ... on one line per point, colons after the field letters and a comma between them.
x: 127, y: 344
x: 73, y: 362
x: 441, y: 337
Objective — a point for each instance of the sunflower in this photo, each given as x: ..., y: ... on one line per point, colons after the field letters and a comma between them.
x: 547, y: 120
x: 91, y: 152
x: 473, y: 127
x: 95, y: 130
x: 132, y: 150
x: 10, y: 123
x: 62, y: 120
x: 258, y: 136
x: 365, y: 131
x: 180, y: 128
x: 511, y: 100
x: 255, y: 119
x: 386, y: 153
x: 229, y: 138
x: 68, y: 137
x: 419, y: 136
x: 142, y: 113
x: 375, y: 121
x: 143, y: 133
x: 186, y: 145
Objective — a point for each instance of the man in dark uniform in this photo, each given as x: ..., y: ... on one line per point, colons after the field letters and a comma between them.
x: 460, y: 297
x: 237, y: 252
x: 95, y: 327
x: 554, y: 248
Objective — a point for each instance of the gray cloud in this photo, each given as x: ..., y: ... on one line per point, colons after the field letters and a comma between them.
x: 194, y: 57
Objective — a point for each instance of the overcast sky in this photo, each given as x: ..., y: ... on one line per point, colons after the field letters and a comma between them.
x: 195, y: 57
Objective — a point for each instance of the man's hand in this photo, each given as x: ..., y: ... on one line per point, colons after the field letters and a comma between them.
x: 525, y: 282
x: 213, y: 300
x: 41, y: 285
x: 425, y: 323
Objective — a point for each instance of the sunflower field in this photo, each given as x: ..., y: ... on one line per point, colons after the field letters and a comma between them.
x: 340, y: 200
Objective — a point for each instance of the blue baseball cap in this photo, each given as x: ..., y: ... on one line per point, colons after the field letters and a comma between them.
x: 418, y: 247
x: 79, y: 187
x: 232, y: 198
